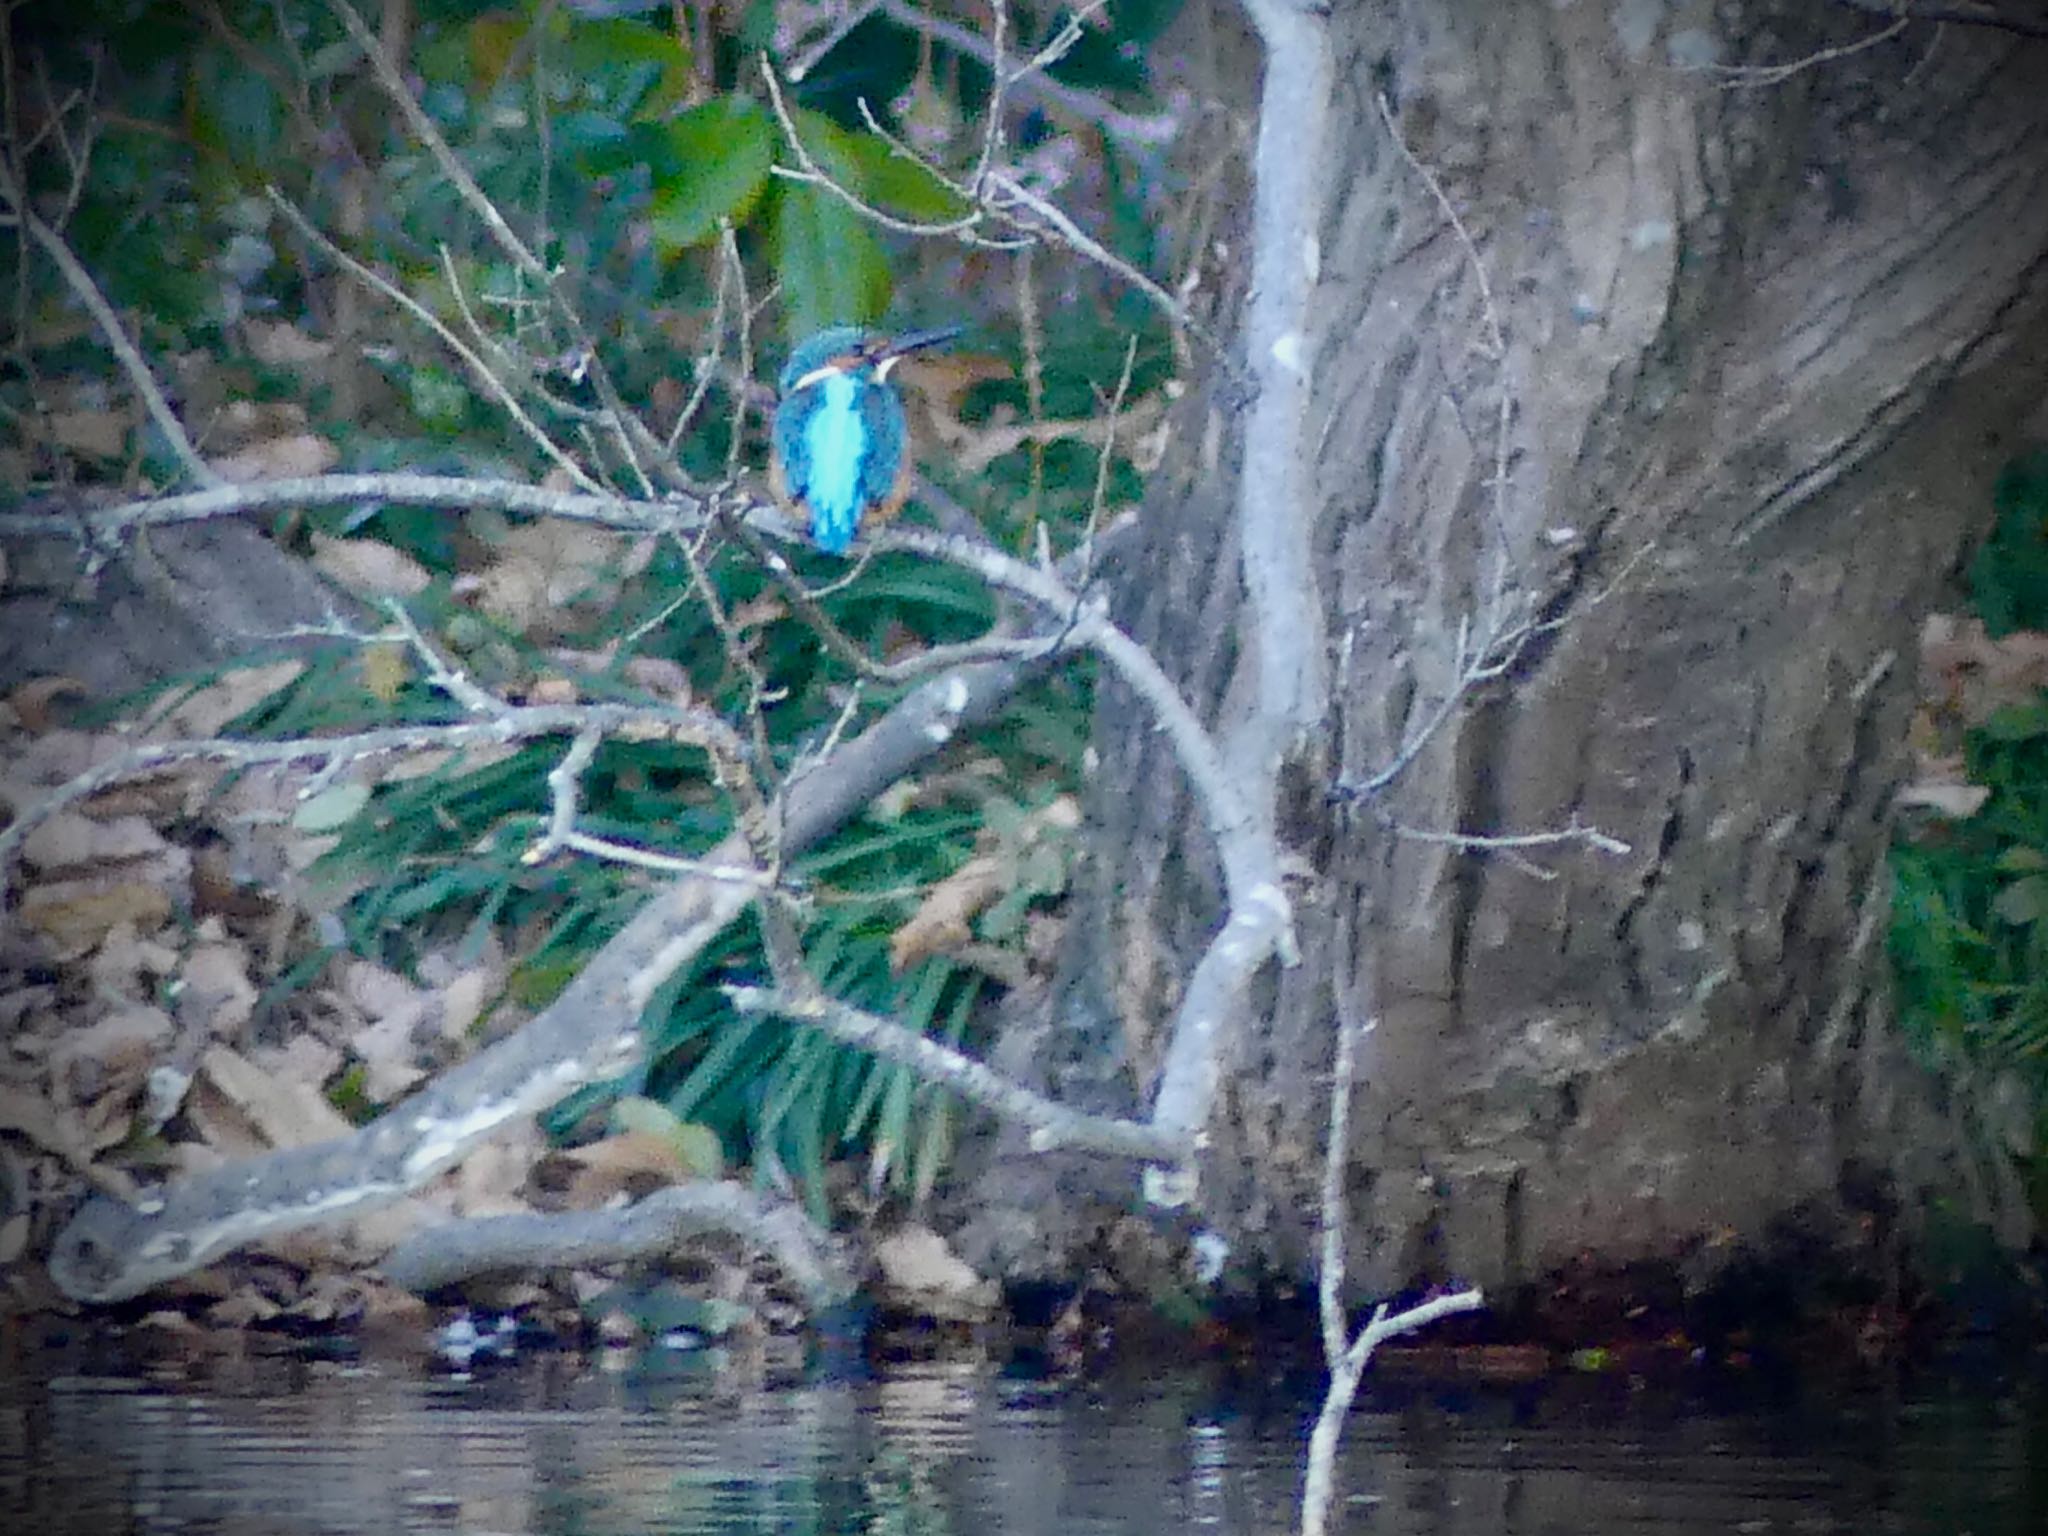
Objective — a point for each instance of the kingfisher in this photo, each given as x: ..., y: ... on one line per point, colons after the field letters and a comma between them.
x: 840, y: 446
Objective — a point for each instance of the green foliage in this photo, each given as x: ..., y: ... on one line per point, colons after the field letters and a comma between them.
x: 831, y: 263
x: 2009, y: 577
x: 1969, y: 932
x: 713, y: 166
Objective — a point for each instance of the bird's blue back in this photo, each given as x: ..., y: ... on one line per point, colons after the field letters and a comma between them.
x: 840, y: 440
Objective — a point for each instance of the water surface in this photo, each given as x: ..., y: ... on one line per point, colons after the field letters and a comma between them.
x: 555, y: 1445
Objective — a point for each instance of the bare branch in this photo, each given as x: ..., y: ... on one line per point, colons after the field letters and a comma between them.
x: 485, y: 375
x: 112, y: 1250
x: 1009, y: 199
x: 1259, y: 924
x: 423, y: 129
x: 814, y: 55
x: 1053, y: 1124
x: 808, y: 173
x: 507, y: 239
x: 103, y: 525
x: 1318, y: 1480
x: 1337, y: 1158
x: 1347, y: 1362
x: 1276, y: 497
x: 452, y: 681
x: 647, y: 1230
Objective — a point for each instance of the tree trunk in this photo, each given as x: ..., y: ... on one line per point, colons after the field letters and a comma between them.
x: 1766, y: 345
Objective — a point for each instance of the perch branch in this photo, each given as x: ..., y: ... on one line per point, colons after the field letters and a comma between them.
x: 449, y: 492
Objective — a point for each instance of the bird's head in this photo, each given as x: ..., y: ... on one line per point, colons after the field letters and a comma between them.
x: 853, y: 352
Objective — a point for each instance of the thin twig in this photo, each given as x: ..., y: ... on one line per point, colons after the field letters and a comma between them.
x: 813, y: 56
x: 705, y: 368
x: 1738, y: 77
x: 1496, y: 334
x: 516, y: 723
x: 1475, y: 842
x: 423, y: 129
x: 1105, y: 458
x: 111, y: 330
x: 807, y: 172
x: 1966, y: 13
x: 453, y: 492
x: 1009, y: 199
x: 1322, y: 1446
x: 1030, y: 79
x: 481, y: 371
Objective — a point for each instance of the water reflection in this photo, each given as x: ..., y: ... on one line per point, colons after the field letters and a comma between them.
x: 551, y: 1447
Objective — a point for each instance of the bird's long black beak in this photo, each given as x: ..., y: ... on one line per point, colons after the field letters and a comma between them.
x: 917, y: 341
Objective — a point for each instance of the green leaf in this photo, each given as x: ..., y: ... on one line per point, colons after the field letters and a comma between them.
x: 1044, y: 871
x: 711, y: 163
x: 2017, y: 722
x: 897, y: 184
x: 832, y: 268
x: 331, y: 810
x: 2009, y: 578
x: 696, y: 1145
x: 600, y: 53
x: 2024, y: 901
x: 439, y: 399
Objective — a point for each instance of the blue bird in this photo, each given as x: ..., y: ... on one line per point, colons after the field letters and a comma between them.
x: 840, y: 446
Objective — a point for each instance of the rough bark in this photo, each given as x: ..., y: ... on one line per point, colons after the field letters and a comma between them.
x: 1766, y: 348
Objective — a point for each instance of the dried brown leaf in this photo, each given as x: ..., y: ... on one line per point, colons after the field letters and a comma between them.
x: 632, y: 1163
x: 283, y: 1113
x: 34, y: 1117
x: 75, y: 915
x: 110, y: 1057
x: 919, y: 1270
x: 217, y: 989
x: 247, y: 1305
x: 35, y: 702
x: 385, y: 670
x: 277, y: 458
x: 545, y: 565
x: 97, y: 434
x: 68, y: 842
x: 661, y: 676
x: 369, y: 568
x: 205, y: 712
x: 129, y: 969
x: 944, y: 920
x: 305, y: 1059
x: 279, y: 344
